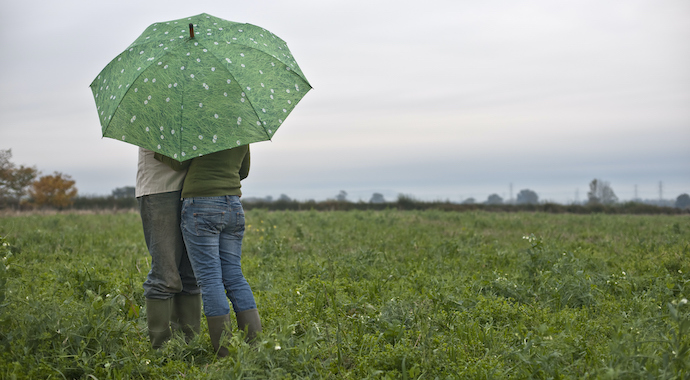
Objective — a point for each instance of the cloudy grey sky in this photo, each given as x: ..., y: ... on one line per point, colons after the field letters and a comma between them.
x: 439, y: 99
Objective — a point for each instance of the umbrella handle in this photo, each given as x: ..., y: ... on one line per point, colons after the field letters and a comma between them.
x: 191, y: 30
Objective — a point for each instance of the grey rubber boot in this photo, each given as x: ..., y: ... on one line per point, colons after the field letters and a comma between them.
x: 186, y: 314
x: 250, y: 322
x: 217, y: 327
x: 158, y: 320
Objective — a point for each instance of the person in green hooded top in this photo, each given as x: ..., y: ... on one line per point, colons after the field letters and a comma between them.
x: 213, y: 223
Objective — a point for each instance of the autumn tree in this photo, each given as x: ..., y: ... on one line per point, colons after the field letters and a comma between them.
x: 55, y: 190
x: 14, y: 181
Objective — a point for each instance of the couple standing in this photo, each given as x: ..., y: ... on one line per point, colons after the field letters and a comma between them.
x: 195, y: 204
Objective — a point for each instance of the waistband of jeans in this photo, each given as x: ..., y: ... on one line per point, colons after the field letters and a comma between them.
x: 215, y: 198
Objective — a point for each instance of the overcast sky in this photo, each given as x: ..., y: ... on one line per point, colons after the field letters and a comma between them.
x: 436, y: 99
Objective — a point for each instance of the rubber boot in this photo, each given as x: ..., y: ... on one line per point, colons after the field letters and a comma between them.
x: 158, y: 320
x: 217, y: 327
x: 186, y: 314
x: 250, y: 322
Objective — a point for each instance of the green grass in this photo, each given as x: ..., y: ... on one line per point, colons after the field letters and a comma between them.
x: 365, y: 294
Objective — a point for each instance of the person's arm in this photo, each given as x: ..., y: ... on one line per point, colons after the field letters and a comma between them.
x: 244, y: 169
x: 174, y: 164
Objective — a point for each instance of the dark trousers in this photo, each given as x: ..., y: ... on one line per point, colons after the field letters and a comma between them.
x: 171, y: 272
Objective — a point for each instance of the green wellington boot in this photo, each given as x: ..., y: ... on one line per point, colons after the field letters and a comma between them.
x: 250, y: 322
x: 217, y: 327
x: 186, y: 314
x: 158, y: 319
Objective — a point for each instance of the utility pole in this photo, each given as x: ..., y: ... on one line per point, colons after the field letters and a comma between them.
x: 511, y: 193
x: 661, y: 192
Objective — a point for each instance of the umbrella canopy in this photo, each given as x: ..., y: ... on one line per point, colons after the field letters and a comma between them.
x: 198, y: 85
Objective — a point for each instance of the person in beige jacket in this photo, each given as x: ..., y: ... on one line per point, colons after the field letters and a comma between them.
x: 173, y: 297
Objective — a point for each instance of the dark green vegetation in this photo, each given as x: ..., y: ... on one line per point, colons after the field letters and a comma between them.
x: 366, y: 294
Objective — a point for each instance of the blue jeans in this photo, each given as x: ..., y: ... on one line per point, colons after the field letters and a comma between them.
x: 213, y: 228
x: 171, y: 272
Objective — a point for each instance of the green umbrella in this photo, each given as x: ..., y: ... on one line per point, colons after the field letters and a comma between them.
x: 198, y: 85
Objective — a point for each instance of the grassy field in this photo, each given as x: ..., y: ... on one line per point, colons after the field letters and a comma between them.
x: 365, y: 294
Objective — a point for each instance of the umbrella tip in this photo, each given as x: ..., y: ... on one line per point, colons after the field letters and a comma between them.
x: 191, y: 30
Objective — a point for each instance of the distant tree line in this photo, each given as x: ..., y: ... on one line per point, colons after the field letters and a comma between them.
x: 600, y: 193
x: 24, y: 188
x: 528, y: 201
x: 405, y: 202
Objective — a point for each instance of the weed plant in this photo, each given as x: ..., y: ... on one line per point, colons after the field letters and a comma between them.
x: 365, y: 295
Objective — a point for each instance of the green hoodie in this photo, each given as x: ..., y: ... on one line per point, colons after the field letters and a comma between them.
x: 214, y: 174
